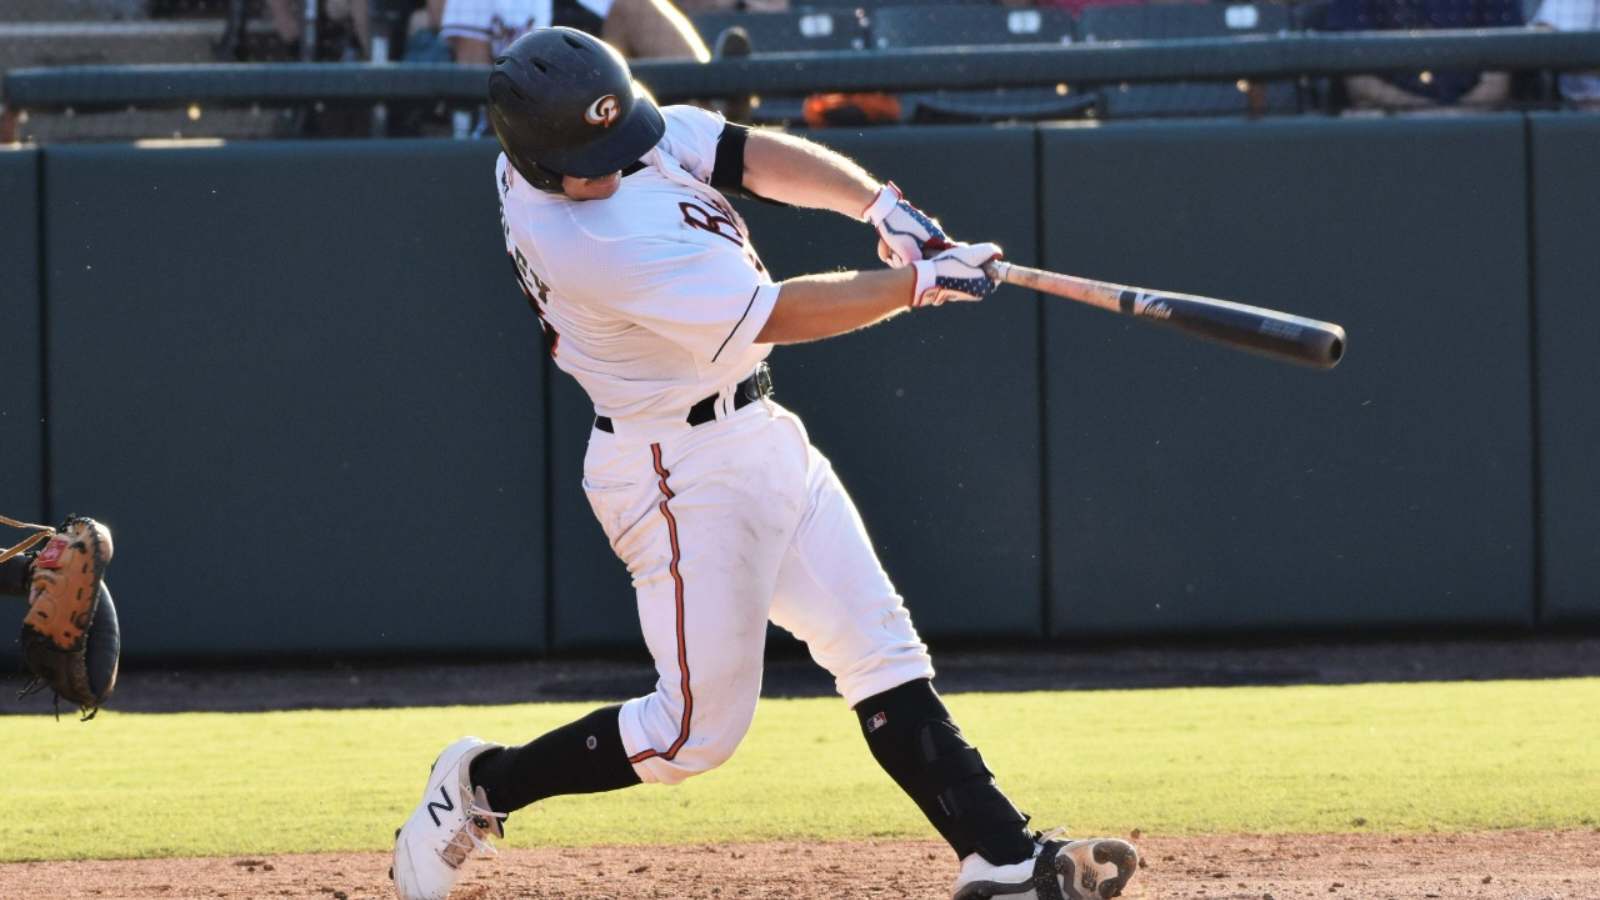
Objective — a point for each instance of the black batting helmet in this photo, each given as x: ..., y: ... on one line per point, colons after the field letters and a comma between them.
x: 564, y: 103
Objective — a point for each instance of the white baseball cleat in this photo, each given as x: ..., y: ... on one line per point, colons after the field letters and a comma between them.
x: 1094, y: 869
x: 451, y: 825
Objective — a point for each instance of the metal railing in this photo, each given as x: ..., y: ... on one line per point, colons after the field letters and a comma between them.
x: 1206, y: 59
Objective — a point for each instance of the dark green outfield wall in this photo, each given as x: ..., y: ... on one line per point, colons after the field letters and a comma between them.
x: 1566, y: 201
x: 1197, y: 489
x: 21, y: 456
x: 299, y: 381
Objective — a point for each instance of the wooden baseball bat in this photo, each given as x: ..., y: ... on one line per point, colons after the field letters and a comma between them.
x: 1268, y: 332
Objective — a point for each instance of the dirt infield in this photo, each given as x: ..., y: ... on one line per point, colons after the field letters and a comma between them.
x: 1510, y: 865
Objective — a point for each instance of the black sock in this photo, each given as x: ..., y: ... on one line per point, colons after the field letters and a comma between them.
x: 584, y: 757
x: 15, y: 575
x: 913, y: 737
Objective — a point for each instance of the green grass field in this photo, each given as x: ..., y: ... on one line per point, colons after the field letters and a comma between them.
x: 1418, y: 757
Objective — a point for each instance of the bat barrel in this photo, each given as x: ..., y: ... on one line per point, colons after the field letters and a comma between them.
x: 1331, y: 349
x: 1268, y: 332
x: 1281, y: 336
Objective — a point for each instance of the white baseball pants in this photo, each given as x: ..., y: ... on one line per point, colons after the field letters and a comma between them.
x: 724, y: 526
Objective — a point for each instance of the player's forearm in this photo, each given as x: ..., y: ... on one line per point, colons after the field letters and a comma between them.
x: 814, y: 307
x: 801, y: 173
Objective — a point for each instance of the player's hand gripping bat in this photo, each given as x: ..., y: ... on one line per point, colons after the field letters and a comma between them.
x: 1264, y: 331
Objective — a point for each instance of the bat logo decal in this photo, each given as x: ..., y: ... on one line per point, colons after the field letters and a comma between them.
x: 603, y: 111
x: 1281, y: 329
x: 1151, y: 306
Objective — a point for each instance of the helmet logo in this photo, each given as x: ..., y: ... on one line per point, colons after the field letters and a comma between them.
x: 603, y: 111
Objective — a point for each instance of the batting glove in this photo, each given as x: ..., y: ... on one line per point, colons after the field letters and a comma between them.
x: 955, y: 274
x: 905, y: 234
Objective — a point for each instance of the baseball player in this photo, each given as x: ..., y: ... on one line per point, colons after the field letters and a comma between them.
x: 652, y: 296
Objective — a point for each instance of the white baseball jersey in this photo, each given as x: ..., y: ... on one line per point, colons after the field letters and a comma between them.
x: 653, y: 297
x: 499, y: 22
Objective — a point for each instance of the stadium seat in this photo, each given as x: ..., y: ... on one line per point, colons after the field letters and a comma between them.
x: 868, y: 6
x: 1188, y: 20
x: 898, y: 27
x: 788, y: 32
x: 948, y: 26
x: 1181, y: 20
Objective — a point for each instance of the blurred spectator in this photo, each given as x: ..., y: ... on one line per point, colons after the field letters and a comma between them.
x: 424, y: 43
x: 478, y: 30
x: 1425, y: 90
x: 409, y: 28
x: 1580, y: 88
x: 734, y: 43
x: 288, y: 17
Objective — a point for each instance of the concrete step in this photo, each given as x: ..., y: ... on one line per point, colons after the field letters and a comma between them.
x: 25, y: 44
x: 71, y: 10
x: 29, y: 44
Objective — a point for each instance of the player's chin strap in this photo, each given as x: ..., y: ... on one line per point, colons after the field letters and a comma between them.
x: 44, y: 532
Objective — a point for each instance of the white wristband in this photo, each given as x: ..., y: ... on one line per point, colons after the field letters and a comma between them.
x: 888, y: 198
x: 927, y: 278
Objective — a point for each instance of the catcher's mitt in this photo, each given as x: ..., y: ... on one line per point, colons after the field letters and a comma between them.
x: 71, y: 641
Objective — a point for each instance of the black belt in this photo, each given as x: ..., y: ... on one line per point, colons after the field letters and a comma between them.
x: 745, y: 393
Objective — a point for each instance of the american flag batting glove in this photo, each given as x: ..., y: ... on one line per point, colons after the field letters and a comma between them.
x: 955, y: 274
x: 905, y: 234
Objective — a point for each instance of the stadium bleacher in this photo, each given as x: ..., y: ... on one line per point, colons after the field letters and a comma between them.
x: 81, y: 43
x: 869, y: 6
x: 965, y: 25
x: 13, y: 11
x: 1189, y: 20
x: 39, y: 33
x: 69, y: 33
x: 798, y: 31
x: 925, y: 26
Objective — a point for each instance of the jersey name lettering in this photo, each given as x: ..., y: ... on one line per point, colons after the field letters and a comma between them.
x: 722, y: 222
x: 716, y: 222
x: 538, y: 295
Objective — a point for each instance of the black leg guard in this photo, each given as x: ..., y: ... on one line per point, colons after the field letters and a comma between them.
x: 582, y: 757
x: 16, y: 574
x: 912, y: 736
